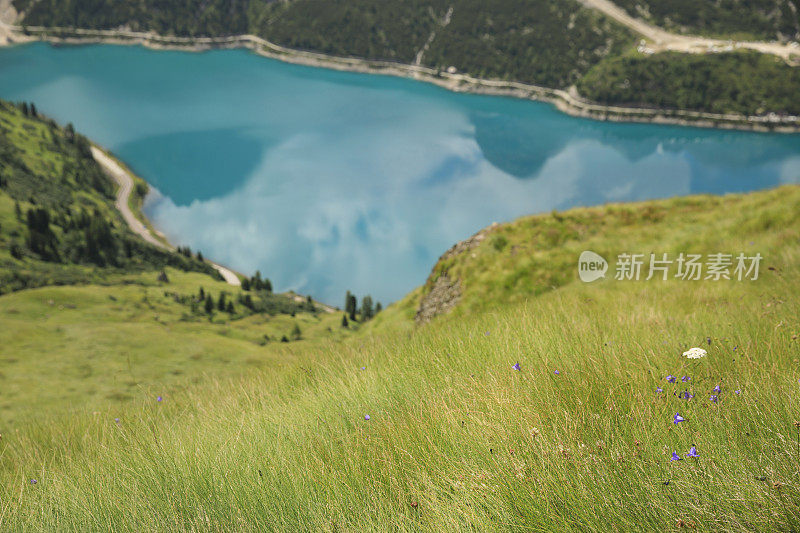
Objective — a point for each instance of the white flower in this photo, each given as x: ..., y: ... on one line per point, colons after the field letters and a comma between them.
x: 695, y: 353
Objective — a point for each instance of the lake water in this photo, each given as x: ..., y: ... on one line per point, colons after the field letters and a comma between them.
x: 328, y: 181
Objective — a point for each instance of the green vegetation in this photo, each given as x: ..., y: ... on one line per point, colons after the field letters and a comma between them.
x: 551, y: 43
x: 58, y: 224
x: 755, y: 19
x: 546, y: 42
x: 100, y: 329
x: 101, y: 346
x: 456, y: 438
x: 737, y: 82
x: 539, y: 253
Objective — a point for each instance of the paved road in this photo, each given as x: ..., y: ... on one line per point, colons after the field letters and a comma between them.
x: 125, y: 182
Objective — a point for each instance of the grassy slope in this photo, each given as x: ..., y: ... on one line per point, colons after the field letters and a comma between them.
x: 92, y: 346
x: 45, y: 166
x: 536, y: 254
x: 110, y: 333
x: 457, y: 439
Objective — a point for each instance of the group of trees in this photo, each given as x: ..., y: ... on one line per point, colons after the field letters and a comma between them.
x: 187, y: 252
x: 759, y: 19
x: 223, y: 304
x: 255, y: 283
x: 352, y: 313
x: 717, y: 83
x: 63, y: 206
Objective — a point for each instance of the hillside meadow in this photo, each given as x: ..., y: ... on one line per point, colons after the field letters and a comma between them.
x: 545, y: 405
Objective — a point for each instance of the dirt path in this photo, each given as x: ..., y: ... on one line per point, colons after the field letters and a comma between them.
x: 125, y: 182
x: 662, y: 40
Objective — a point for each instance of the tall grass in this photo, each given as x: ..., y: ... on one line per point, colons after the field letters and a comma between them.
x: 457, y: 439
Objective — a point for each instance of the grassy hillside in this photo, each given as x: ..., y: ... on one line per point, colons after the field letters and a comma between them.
x: 58, y: 224
x: 92, y: 315
x: 552, y: 43
x: 580, y: 438
x: 92, y: 347
x: 516, y: 262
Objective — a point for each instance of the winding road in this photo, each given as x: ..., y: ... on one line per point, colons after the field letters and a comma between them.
x: 125, y: 183
x: 662, y: 40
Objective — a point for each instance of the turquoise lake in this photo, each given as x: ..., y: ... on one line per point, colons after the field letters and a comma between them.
x: 328, y: 181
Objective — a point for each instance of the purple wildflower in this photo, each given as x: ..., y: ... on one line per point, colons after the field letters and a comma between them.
x: 713, y: 398
x: 677, y: 418
x: 557, y: 373
x: 737, y: 391
x: 487, y: 333
x: 692, y: 452
x: 366, y: 417
x: 116, y: 420
x: 686, y: 395
x: 671, y: 378
x: 34, y: 482
x: 685, y: 379
x: 659, y: 389
x: 717, y: 389
x: 363, y: 368
x: 517, y: 367
x: 159, y: 399
x: 734, y: 348
x: 676, y: 457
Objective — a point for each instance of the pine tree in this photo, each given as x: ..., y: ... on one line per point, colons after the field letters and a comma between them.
x: 345, y: 323
x: 366, y: 308
x: 221, y: 302
x: 350, y: 305
x: 209, y: 304
x: 230, y: 310
x: 297, y: 334
x: 378, y: 308
x: 202, y: 294
x: 245, y: 284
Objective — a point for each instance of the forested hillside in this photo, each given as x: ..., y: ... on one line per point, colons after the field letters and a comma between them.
x: 551, y: 43
x: 751, y: 19
x: 58, y: 224
x: 742, y: 82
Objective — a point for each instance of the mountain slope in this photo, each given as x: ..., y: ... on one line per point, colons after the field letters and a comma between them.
x: 91, y: 314
x: 58, y: 224
x: 579, y: 438
x: 516, y: 262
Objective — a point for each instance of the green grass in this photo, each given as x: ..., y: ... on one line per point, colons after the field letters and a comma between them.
x: 456, y: 440
x: 532, y: 255
x: 65, y: 348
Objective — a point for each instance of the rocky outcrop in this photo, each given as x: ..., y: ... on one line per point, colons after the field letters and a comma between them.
x: 441, y: 299
x: 442, y: 292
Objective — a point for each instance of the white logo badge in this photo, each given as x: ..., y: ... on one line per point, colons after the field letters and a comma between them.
x: 591, y: 266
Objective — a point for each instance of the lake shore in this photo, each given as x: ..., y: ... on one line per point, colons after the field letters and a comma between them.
x: 567, y: 101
